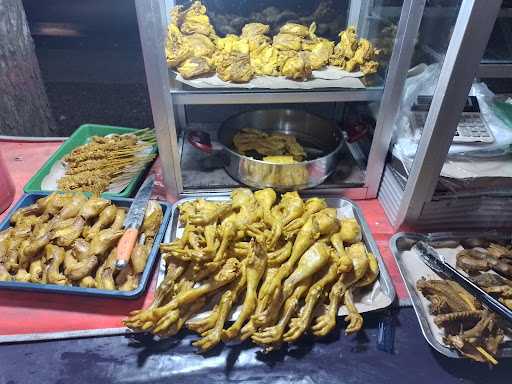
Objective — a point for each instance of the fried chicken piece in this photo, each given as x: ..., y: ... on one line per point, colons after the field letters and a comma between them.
x: 64, y: 237
x: 287, y: 42
x: 88, y: 282
x: 310, y: 263
x: 72, y: 207
x: 93, y: 207
x: 312, y: 205
x: 297, y: 67
x: 22, y: 276
x: 298, y: 325
x: 271, y: 337
x: 139, y: 257
x: 200, y: 45
x: 354, y: 318
x: 350, y: 231
x: 320, y: 223
x: 234, y: 67
x: 295, y: 29
x: 255, y: 267
x: 105, y: 273
x: 104, y: 241
x: 364, y: 53
x: 152, y: 219
x: 119, y: 219
x: 321, y: 51
x: 212, y: 337
x: 264, y: 58
x: 77, y: 270
x: 4, y: 274
x: 279, y: 256
x: 105, y: 219
x: 53, y: 258
x: 30, y: 248
x: 36, y: 272
x: 161, y: 318
x: 252, y: 30
x: 176, y: 51
x: 81, y: 249
x: 232, y: 44
x: 345, y: 49
x: 327, y: 321
x: 194, y: 66
x: 4, y: 244
x: 195, y: 20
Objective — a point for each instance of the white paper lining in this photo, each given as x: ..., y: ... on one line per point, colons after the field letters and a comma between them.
x: 366, y: 300
x: 329, y: 77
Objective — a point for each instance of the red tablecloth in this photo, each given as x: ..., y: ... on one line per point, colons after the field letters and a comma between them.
x: 28, y: 313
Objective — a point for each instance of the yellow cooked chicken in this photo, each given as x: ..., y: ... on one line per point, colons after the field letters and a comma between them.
x: 194, y: 67
x: 297, y: 67
x: 234, y: 67
x: 195, y: 20
x: 280, y: 259
x: 287, y: 42
x: 69, y: 239
x: 264, y: 60
x: 200, y: 45
x: 194, y: 48
x: 268, y: 144
x: 251, y: 30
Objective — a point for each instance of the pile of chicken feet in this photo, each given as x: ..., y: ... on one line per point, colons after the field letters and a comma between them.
x: 290, y: 264
x: 69, y: 239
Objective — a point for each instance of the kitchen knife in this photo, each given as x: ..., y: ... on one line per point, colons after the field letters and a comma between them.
x: 437, y: 263
x: 132, y: 223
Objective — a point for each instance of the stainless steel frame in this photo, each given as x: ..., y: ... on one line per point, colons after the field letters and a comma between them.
x: 152, y: 19
x: 469, y: 39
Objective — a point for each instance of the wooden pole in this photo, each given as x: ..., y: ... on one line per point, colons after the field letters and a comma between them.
x: 24, y: 108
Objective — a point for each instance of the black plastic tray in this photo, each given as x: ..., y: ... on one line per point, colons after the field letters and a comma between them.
x: 28, y: 199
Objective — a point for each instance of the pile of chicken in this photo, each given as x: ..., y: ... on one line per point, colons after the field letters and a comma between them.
x: 289, y: 264
x: 270, y: 146
x: 468, y: 327
x: 194, y: 48
x: 477, y: 261
x: 68, y: 239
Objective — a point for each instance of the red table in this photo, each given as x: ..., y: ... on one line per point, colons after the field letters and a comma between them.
x: 34, y: 313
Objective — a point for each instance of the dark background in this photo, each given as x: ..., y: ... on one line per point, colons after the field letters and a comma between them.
x: 90, y: 55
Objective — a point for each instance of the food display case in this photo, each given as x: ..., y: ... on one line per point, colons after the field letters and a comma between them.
x: 434, y: 178
x: 362, y: 105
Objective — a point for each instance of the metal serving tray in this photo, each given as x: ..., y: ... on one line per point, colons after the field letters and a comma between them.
x: 344, y: 205
x: 28, y: 199
x: 400, y: 245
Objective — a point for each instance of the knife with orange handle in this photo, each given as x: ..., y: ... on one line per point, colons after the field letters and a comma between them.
x: 133, y: 222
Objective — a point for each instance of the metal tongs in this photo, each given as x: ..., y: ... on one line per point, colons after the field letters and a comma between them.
x: 437, y: 263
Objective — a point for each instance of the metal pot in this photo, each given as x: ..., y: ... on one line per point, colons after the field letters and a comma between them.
x: 322, y: 140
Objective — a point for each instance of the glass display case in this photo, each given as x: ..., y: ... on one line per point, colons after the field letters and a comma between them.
x: 448, y: 171
x: 360, y: 101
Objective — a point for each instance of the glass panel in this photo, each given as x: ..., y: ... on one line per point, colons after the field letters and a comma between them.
x: 355, y: 110
x: 330, y: 17
x: 432, y: 43
x: 499, y: 48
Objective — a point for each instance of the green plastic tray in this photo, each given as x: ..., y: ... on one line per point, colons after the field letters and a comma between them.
x: 80, y: 137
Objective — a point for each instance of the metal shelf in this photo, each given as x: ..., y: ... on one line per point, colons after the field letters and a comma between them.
x: 187, y: 95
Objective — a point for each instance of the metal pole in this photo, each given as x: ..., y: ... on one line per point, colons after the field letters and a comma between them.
x: 399, y: 63
x: 150, y: 16
x: 470, y: 35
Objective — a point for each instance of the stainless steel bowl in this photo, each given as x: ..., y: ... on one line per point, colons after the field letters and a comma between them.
x: 321, y: 139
